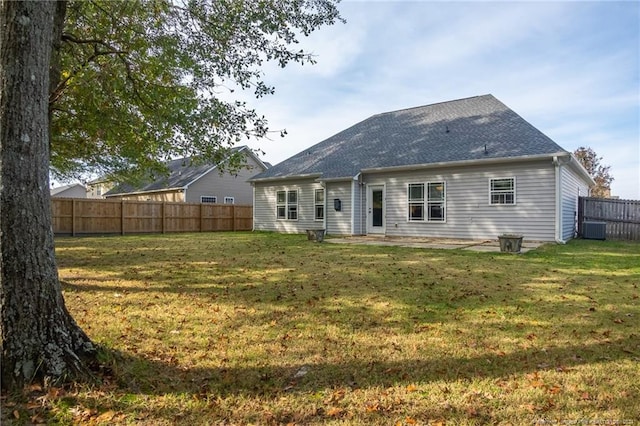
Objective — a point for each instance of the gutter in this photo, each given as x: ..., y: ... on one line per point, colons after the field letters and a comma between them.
x: 481, y: 162
x: 291, y: 177
x: 155, y: 191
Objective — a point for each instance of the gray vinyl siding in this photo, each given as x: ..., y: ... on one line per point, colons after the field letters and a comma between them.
x: 264, y: 208
x: 468, y: 212
x: 338, y: 222
x: 225, y: 185
x: 359, y: 218
x: 572, y: 187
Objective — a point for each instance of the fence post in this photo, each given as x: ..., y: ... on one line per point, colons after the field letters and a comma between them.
x: 73, y: 218
x: 122, y: 217
x: 233, y: 214
x: 201, y: 216
x: 164, y: 208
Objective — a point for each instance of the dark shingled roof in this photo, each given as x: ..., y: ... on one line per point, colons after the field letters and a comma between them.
x: 182, y: 172
x: 440, y: 133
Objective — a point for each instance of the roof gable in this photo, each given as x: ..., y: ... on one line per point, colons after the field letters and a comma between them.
x: 182, y: 172
x: 61, y: 189
x: 477, y: 128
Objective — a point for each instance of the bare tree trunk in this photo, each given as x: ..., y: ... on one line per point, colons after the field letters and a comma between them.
x: 40, y: 340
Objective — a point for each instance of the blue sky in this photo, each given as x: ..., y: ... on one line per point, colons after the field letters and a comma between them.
x: 569, y: 68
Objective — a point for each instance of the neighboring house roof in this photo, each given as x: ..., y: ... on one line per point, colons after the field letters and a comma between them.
x: 472, y: 129
x: 182, y: 173
x: 61, y: 189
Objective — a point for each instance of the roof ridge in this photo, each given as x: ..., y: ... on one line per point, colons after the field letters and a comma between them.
x: 434, y: 104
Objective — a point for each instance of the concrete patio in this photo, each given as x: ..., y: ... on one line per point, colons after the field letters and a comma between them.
x: 432, y: 243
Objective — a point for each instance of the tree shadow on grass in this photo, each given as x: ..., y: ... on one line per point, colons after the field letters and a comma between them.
x: 138, y: 375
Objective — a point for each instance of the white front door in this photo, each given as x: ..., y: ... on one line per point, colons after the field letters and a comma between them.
x: 375, y: 209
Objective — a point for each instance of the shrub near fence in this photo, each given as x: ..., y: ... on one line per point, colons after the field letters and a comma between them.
x: 621, y: 216
x: 75, y: 216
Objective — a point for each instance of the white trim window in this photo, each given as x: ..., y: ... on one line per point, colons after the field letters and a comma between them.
x: 426, y: 202
x: 211, y: 199
x: 502, y: 191
x: 229, y: 200
x: 416, y: 201
x: 319, y: 204
x: 287, y: 205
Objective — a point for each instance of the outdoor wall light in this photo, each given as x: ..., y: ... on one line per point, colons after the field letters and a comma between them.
x: 337, y: 204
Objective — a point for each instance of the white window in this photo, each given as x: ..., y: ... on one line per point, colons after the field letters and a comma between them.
x: 416, y: 201
x: 502, y: 190
x: 208, y: 199
x: 287, y: 205
x: 319, y: 204
x: 229, y: 200
x: 427, y: 201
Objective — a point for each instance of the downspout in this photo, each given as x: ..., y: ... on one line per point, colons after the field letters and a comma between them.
x: 253, y: 207
x: 558, y: 209
x: 363, y: 207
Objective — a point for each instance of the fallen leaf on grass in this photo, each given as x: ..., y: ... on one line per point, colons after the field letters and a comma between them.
x: 107, y: 416
x: 410, y: 421
x: 553, y: 390
x: 336, y: 396
x: 334, y: 412
x: 618, y: 321
x: 371, y: 407
x: 412, y: 388
x: 537, y: 383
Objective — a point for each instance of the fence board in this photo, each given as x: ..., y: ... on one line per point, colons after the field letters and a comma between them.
x: 621, y: 216
x: 93, y: 216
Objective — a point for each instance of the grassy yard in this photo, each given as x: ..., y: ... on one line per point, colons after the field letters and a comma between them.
x: 257, y: 328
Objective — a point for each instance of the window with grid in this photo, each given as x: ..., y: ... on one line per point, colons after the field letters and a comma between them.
x: 502, y: 191
x: 435, y: 202
x: 208, y: 199
x: 426, y: 201
x: 292, y: 205
x: 229, y: 200
x: 416, y: 201
x: 319, y: 204
x: 287, y: 205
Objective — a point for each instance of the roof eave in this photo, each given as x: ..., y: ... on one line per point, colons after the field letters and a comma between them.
x: 288, y: 177
x: 579, y: 168
x: 487, y: 161
x: 154, y: 191
x: 337, y: 179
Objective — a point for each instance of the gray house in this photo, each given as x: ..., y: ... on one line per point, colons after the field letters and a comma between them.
x: 192, y: 182
x: 74, y: 190
x: 469, y: 168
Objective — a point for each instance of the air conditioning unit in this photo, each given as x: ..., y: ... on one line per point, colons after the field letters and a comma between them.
x: 594, y: 230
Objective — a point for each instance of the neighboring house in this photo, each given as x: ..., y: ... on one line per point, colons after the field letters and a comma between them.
x: 469, y: 168
x: 197, y: 183
x: 75, y: 190
x: 97, y: 188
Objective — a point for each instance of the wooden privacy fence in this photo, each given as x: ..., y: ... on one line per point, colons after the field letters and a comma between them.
x: 75, y: 216
x: 621, y: 216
